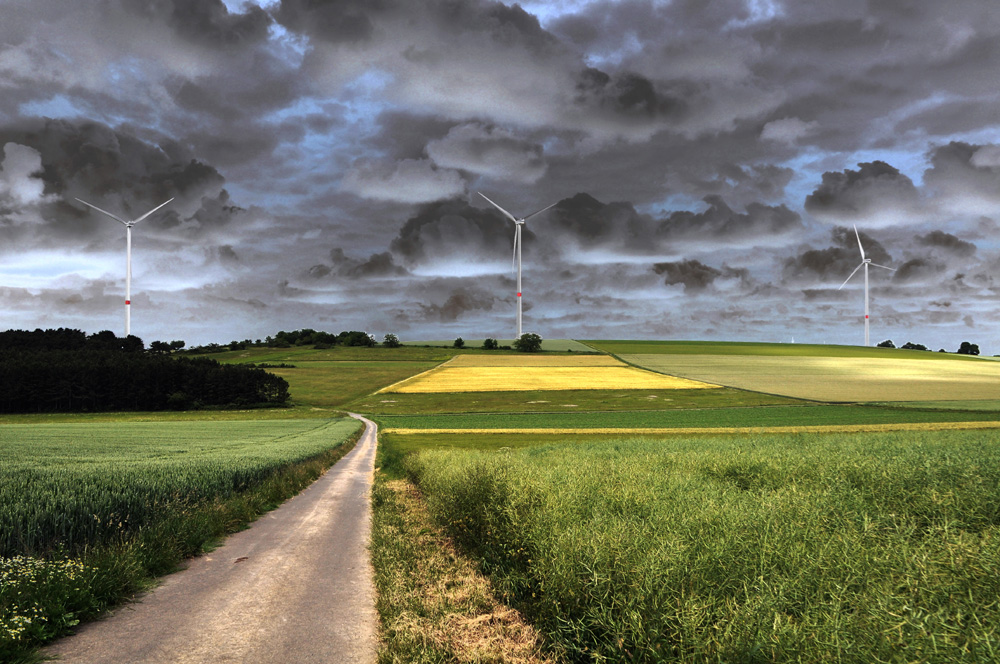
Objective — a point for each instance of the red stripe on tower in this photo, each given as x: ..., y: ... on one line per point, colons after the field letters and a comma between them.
x: 519, y: 295
x: 866, y: 316
x: 128, y: 301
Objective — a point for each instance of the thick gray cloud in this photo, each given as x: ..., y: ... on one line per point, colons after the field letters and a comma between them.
x: 876, y: 194
x: 700, y: 153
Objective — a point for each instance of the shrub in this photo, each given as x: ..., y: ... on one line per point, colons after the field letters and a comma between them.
x: 391, y: 341
x: 459, y: 343
x: 528, y: 343
x: 490, y: 344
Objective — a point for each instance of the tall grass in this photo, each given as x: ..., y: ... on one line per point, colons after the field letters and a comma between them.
x: 846, y: 548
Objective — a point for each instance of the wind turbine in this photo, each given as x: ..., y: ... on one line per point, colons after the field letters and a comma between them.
x: 517, y: 249
x: 865, y: 262
x: 128, y: 256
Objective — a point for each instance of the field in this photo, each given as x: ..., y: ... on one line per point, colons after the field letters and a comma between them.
x: 512, y: 374
x: 808, y: 548
x: 90, y: 511
x: 862, y: 538
x: 555, y: 400
x: 837, y: 378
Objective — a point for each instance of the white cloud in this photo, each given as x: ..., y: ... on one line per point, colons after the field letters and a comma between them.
x: 787, y: 130
x: 19, y: 172
x: 408, y: 181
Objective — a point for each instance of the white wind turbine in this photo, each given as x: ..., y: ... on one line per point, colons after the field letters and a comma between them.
x: 865, y: 262
x: 517, y: 249
x: 128, y: 256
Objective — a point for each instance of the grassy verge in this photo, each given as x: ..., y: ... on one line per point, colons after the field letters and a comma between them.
x: 434, y: 606
x: 847, y: 548
x: 709, y: 417
x: 53, y: 584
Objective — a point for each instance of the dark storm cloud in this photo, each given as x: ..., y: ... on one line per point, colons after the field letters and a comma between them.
x: 919, y: 269
x: 948, y: 243
x: 696, y: 276
x: 120, y: 173
x: 376, y: 266
x: 453, y: 229
x: 720, y: 222
x: 835, y: 263
x: 460, y: 302
x: 207, y: 22
x: 875, y: 189
x: 631, y: 94
x: 965, y: 173
x: 751, y: 183
x: 589, y: 222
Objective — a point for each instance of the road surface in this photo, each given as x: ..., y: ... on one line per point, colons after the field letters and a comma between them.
x: 295, y: 587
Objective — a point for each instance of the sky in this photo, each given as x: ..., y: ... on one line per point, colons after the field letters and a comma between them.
x: 709, y: 160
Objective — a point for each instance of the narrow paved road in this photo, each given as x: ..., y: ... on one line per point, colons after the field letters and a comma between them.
x: 295, y: 587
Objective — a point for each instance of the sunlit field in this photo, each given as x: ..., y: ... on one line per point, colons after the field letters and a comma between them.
x: 495, y: 374
x: 837, y: 378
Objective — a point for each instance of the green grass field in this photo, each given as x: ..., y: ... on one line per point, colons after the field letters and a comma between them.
x: 577, y: 400
x: 91, y: 511
x: 805, y: 548
x: 707, y: 417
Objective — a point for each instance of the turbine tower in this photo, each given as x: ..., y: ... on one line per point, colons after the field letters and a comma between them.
x: 128, y: 256
x: 865, y: 262
x: 518, y: 223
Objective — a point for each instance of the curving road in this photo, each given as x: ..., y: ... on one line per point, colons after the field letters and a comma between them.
x: 295, y: 587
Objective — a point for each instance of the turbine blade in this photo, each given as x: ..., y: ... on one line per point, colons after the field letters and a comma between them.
x: 859, y: 242
x: 509, y: 215
x: 103, y: 211
x: 540, y: 211
x: 150, y: 212
x: 883, y: 267
x: 849, y: 278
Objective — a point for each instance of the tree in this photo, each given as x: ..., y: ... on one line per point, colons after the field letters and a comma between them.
x: 159, y: 347
x: 391, y: 341
x: 490, y: 344
x: 886, y: 344
x: 528, y: 343
x: 459, y: 343
x: 968, y: 349
x: 909, y: 345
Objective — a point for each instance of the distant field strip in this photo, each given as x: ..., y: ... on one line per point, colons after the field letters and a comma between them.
x: 728, y: 418
x: 515, y: 373
x: 529, y: 360
x: 655, y: 431
x: 836, y: 378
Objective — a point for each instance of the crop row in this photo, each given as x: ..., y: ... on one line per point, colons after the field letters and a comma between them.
x: 70, y: 486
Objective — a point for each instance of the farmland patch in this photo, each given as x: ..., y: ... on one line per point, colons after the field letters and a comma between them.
x: 838, y: 379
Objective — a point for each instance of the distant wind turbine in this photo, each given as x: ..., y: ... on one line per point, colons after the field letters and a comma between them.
x: 128, y: 256
x: 517, y: 249
x: 865, y: 262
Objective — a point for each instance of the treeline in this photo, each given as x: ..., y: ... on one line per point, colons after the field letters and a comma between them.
x: 965, y: 348
x: 54, y: 371
x: 304, y: 337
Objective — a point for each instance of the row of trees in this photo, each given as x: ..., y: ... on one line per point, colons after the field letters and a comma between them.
x: 965, y: 348
x: 66, y: 370
x: 526, y: 343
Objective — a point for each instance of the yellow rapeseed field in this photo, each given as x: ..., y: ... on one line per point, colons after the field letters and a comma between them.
x: 449, y: 378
